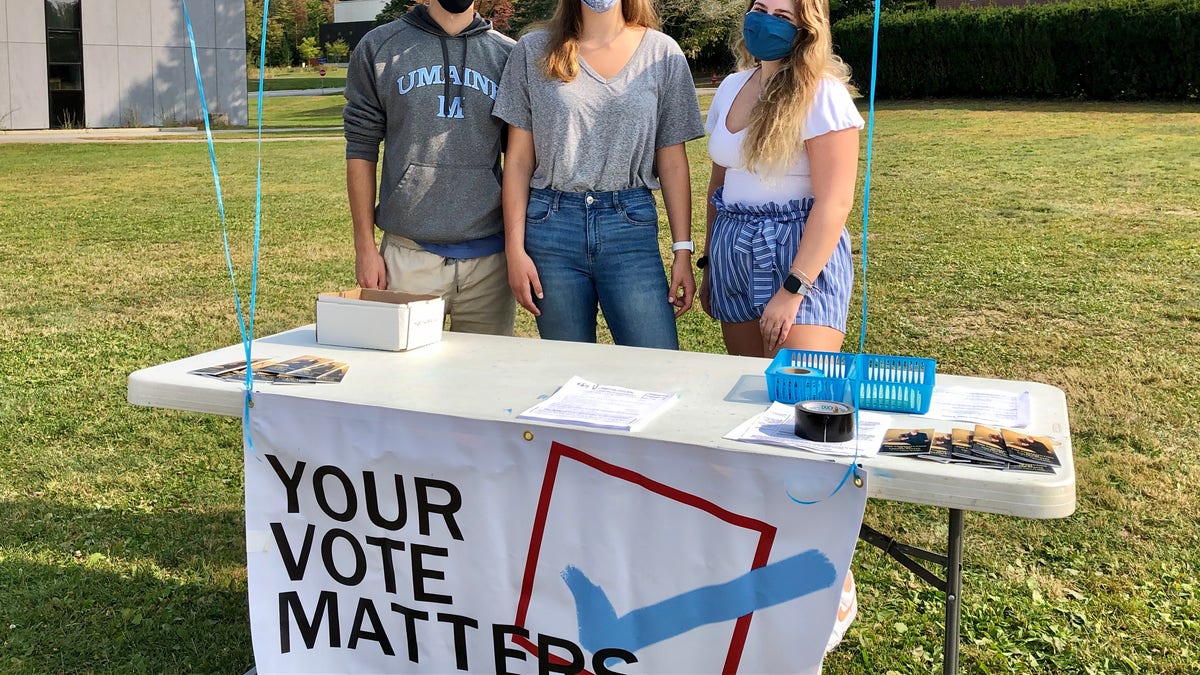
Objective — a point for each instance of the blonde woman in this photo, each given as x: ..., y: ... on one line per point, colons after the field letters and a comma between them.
x: 784, y: 145
x: 599, y: 105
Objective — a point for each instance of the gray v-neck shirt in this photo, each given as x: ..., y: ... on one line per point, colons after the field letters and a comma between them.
x: 595, y: 134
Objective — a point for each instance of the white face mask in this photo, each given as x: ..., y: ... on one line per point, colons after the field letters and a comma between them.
x: 600, y: 6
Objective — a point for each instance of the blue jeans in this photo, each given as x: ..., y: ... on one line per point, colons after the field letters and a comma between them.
x: 599, y: 248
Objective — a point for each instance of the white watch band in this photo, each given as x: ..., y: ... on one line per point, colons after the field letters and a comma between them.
x: 683, y: 246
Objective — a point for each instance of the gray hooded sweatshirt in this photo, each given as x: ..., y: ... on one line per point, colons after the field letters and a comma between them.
x: 428, y: 97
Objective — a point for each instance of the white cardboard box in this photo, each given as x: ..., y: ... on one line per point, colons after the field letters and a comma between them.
x: 375, y: 319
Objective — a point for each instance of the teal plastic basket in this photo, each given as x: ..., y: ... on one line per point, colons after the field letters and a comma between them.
x: 888, y: 383
x: 829, y: 379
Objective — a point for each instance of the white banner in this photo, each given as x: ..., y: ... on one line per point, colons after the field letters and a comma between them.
x: 381, y: 540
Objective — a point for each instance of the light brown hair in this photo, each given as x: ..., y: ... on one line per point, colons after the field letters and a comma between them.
x: 772, y: 142
x: 561, y: 60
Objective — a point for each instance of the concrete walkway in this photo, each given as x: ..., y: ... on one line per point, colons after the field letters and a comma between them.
x: 173, y: 134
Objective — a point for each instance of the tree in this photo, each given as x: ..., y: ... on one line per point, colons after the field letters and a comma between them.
x: 528, y: 12
x: 703, y: 29
x: 253, y: 31
x: 308, y: 49
x: 319, y: 12
x: 499, y: 11
x: 337, y: 50
x: 394, y: 9
x: 289, y: 23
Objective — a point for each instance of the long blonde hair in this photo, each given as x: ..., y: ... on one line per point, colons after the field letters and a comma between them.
x: 561, y: 60
x: 772, y: 142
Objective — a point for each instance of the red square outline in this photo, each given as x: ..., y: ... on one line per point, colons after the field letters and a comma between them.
x: 557, y: 452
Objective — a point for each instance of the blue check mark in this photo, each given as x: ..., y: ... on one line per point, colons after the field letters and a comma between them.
x: 600, y: 627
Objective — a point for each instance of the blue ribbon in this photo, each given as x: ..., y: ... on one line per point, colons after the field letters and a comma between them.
x: 854, y: 382
x: 245, y: 324
x: 866, y: 210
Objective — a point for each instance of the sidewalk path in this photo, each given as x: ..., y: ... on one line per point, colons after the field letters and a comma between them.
x: 171, y: 135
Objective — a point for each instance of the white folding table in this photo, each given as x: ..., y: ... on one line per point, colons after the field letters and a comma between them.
x: 496, y: 378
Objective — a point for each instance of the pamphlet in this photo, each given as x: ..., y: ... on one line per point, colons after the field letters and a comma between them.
x: 603, y: 406
x: 942, y: 449
x: 984, y: 447
x: 906, y: 442
x: 325, y: 370
x: 1026, y: 449
x: 226, y: 368
x: 299, y: 370
x: 960, y: 443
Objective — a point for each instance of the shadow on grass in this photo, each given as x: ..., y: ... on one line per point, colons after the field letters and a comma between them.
x: 323, y: 112
x: 171, y: 538
x: 104, y: 591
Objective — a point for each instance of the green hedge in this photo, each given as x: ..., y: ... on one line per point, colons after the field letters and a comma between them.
x: 1113, y: 49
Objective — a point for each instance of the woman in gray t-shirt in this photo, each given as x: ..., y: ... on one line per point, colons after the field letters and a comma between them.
x: 599, y: 106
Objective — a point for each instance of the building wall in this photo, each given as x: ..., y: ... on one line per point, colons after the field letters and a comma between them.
x: 137, y: 65
x: 26, y: 103
x: 346, y: 11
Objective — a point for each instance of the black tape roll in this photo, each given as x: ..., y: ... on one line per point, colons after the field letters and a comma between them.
x: 824, y: 421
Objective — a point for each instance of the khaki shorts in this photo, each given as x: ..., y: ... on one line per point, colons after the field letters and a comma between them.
x: 476, y: 291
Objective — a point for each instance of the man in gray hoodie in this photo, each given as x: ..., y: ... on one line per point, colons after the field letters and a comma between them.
x: 424, y: 86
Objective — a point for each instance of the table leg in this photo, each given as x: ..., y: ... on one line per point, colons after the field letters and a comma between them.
x: 909, y: 556
x: 954, y: 549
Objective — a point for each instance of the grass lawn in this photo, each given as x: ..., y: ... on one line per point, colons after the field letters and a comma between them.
x: 278, y: 79
x: 322, y: 111
x: 1055, y: 242
x: 295, y: 77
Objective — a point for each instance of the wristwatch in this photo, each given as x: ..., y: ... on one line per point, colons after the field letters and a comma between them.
x: 794, y: 284
x: 683, y: 246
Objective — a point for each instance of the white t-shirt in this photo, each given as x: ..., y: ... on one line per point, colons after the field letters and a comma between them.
x: 832, y: 110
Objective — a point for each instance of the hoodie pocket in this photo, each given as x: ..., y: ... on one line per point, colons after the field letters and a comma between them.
x: 443, y: 203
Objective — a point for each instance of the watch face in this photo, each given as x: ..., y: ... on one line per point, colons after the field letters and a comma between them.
x: 792, y: 284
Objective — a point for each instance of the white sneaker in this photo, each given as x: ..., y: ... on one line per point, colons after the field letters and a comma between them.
x: 846, y: 611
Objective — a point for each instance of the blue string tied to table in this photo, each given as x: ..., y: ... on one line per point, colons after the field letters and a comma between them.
x: 245, y: 320
x: 855, y: 381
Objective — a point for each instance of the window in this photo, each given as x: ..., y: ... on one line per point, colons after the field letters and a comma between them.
x: 64, y: 63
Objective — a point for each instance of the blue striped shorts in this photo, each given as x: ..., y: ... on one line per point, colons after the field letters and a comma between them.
x: 750, y: 252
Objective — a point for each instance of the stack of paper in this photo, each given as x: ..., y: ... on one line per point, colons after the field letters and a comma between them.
x: 983, y: 406
x: 777, y: 426
x: 595, y: 405
x: 305, y: 369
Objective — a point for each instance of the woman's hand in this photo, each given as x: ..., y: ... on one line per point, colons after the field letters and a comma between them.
x: 683, y: 285
x: 778, y: 317
x: 523, y: 280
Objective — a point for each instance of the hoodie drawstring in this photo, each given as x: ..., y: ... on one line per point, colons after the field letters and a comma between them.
x: 447, y: 101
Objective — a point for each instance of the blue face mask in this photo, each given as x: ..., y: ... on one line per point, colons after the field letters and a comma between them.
x: 600, y: 6
x: 768, y: 38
